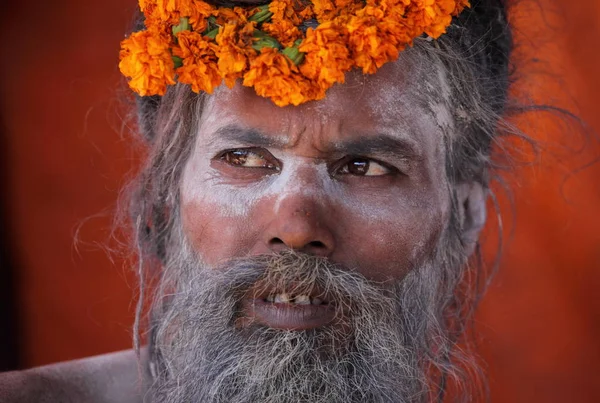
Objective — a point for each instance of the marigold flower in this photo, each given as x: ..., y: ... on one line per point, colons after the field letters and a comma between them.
x: 432, y: 16
x: 324, y: 9
x: 327, y: 10
x: 147, y: 6
x: 442, y: 13
x: 285, y: 21
x: 374, y: 39
x: 234, y: 50
x: 146, y: 60
x: 290, y: 10
x: 199, y: 60
x: 461, y: 5
x: 167, y: 10
x: 284, y: 31
x: 232, y: 16
x: 200, y: 11
x: 351, y: 33
x: 347, y: 8
x: 307, y: 12
x: 327, y: 57
x: 162, y: 14
x: 273, y: 76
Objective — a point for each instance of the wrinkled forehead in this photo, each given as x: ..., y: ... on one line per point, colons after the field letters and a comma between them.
x: 408, y: 93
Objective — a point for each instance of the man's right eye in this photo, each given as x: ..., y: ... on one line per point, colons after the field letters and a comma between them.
x: 249, y: 158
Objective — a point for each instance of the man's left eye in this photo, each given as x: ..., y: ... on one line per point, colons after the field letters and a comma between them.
x: 364, y: 167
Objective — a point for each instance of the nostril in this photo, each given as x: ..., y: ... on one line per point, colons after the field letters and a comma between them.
x: 276, y: 241
x: 317, y: 244
x: 311, y: 245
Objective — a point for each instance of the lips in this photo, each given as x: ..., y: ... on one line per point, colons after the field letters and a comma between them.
x: 289, y: 312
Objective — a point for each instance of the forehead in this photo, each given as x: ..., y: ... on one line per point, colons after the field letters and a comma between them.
x: 401, y: 99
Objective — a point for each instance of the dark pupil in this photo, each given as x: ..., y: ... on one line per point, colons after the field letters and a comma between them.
x: 358, y: 167
x: 236, y: 157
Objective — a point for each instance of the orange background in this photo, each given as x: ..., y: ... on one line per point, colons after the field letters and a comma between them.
x: 67, y: 157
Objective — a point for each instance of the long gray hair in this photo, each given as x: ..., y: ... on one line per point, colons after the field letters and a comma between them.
x: 475, y: 54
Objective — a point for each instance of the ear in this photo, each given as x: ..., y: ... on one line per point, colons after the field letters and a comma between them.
x: 471, y: 198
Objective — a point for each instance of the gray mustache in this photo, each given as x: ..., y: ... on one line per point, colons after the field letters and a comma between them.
x: 288, y: 272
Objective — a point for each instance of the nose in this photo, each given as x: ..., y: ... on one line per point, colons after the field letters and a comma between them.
x: 299, y: 225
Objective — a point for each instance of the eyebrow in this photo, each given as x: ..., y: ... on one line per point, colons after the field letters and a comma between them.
x: 380, y: 144
x: 400, y: 147
x: 246, y: 136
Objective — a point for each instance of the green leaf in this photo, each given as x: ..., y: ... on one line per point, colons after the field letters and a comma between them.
x: 293, y: 53
x: 212, y: 34
x: 211, y: 23
x: 263, y: 40
x: 184, y: 25
x: 178, y: 61
x: 262, y: 15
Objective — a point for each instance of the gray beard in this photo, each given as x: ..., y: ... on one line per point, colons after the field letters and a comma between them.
x: 379, y: 349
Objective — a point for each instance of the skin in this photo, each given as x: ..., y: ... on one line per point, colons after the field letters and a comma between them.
x: 300, y: 187
x: 110, y: 378
x: 298, y: 192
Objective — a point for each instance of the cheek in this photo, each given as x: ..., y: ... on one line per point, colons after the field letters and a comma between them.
x: 216, y: 219
x: 210, y: 233
x: 388, y: 244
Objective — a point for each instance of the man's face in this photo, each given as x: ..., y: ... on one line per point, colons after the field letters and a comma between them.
x: 312, y: 260
x: 358, y: 178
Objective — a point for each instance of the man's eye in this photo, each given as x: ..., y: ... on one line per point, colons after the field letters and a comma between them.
x: 247, y: 158
x: 364, y: 167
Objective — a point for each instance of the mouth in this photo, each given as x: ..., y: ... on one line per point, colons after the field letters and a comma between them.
x: 289, y: 312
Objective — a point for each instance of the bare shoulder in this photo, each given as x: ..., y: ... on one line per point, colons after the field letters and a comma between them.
x: 110, y: 378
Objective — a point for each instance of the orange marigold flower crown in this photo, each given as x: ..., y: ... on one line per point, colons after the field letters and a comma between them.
x: 290, y: 51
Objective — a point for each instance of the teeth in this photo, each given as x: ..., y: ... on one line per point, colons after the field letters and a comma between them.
x: 299, y: 300
x: 317, y: 301
x: 302, y: 300
x: 282, y: 299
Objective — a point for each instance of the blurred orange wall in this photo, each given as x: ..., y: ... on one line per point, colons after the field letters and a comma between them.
x: 540, y: 321
x: 67, y: 161
x: 541, y: 318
